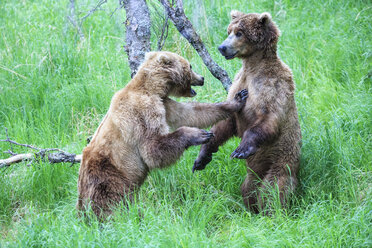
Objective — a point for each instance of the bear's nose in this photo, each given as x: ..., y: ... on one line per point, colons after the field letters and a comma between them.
x: 222, y: 49
x: 202, y: 81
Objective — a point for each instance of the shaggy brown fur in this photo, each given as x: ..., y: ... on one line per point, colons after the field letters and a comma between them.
x: 268, y: 124
x: 134, y: 136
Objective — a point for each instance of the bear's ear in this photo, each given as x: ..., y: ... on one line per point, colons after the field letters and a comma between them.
x: 150, y: 55
x: 264, y: 18
x: 235, y: 14
x: 164, y: 59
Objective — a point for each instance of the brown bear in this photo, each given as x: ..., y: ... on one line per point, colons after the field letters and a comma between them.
x: 134, y: 136
x: 268, y: 125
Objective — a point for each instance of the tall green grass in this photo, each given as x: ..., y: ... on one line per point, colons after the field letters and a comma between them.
x: 54, y: 89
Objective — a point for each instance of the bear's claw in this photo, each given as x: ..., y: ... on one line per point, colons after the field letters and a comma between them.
x: 206, y: 136
x: 240, y: 154
x: 201, y: 162
x: 242, y: 95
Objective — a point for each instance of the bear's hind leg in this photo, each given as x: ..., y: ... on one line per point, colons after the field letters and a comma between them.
x: 102, y: 186
x: 108, y: 194
x: 276, y: 189
x: 249, y: 191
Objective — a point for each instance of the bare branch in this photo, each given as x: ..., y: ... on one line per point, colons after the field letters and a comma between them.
x: 26, y: 145
x: 120, y: 6
x: 11, y: 152
x: 164, y: 33
x: 138, y: 32
x: 18, y: 144
x: 161, y: 23
x: 7, y: 137
x: 74, y: 19
x: 184, y: 26
x: 99, y: 4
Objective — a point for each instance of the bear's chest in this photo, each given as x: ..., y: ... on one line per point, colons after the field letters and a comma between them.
x: 256, y: 93
x: 256, y: 101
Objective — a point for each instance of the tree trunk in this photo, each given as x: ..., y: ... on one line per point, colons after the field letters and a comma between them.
x: 138, y: 24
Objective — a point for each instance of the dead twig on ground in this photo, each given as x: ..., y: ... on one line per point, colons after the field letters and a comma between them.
x: 51, y: 155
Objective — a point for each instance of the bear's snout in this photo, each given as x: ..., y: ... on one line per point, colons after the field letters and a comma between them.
x: 227, y: 49
x: 222, y: 49
x: 198, y: 80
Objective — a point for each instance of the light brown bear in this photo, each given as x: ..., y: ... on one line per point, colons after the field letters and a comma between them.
x: 135, y: 136
x: 268, y: 124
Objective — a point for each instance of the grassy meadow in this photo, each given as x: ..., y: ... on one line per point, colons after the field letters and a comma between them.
x: 55, y: 88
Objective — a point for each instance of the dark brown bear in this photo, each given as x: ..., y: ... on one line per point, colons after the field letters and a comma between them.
x: 268, y: 124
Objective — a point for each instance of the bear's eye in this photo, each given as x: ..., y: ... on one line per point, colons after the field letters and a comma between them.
x: 238, y: 34
x: 190, y: 67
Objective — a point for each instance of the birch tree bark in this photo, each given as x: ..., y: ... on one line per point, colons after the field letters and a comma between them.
x: 138, y: 33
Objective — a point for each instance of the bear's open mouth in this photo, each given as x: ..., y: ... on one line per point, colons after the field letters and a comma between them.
x: 192, y: 93
x: 230, y: 56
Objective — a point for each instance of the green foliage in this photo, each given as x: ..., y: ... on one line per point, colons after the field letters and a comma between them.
x: 54, y: 90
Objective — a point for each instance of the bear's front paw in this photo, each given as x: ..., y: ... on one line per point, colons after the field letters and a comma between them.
x: 240, y: 98
x: 242, y: 95
x: 199, y: 137
x: 243, y: 152
x: 201, y: 162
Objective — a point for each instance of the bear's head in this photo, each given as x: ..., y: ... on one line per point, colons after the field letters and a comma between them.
x: 172, y: 72
x: 248, y: 33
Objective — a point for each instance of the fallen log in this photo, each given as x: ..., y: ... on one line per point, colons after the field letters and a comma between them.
x: 51, y: 155
x: 53, y: 158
